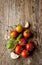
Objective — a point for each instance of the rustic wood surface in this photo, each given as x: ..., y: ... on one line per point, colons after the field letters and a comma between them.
x: 19, y: 11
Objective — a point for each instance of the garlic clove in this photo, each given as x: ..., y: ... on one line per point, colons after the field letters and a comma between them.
x: 26, y: 24
x: 13, y: 55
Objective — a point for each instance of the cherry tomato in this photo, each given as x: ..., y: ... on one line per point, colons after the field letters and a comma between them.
x: 18, y: 49
x: 24, y: 54
x: 22, y: 42
x: 13, y: 34
x: 26, y: 33
x: 30, y: 46
x: 19, y: 28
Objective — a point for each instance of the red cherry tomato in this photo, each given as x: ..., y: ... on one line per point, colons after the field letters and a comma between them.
x: 22, y: 42
x: 24, y: 54
x: 18, y: 49
x: 30, y: 46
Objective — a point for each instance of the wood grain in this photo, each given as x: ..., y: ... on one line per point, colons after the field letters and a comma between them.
x: 13, y: 12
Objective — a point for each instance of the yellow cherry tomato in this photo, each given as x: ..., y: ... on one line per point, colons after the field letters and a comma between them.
x: 19, y: 28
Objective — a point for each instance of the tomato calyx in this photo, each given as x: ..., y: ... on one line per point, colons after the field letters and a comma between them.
x: 21, y: 42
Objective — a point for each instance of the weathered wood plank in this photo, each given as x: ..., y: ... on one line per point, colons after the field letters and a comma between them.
x: 19, y: 11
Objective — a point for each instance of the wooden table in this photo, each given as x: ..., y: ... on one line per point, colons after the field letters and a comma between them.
x: 13, y: 12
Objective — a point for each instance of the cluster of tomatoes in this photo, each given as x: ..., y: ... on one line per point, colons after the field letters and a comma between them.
x: 23, y: 47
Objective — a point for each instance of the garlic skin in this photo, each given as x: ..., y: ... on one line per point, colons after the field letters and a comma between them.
x: 6, y: 37
x: 26, y: 24
x: 13, y: 55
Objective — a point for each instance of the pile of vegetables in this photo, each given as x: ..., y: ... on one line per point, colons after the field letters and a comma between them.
x: 18, y: 42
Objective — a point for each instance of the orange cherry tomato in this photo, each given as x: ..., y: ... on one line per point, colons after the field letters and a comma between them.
x: 13, y: 34
x: 26, y: 33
